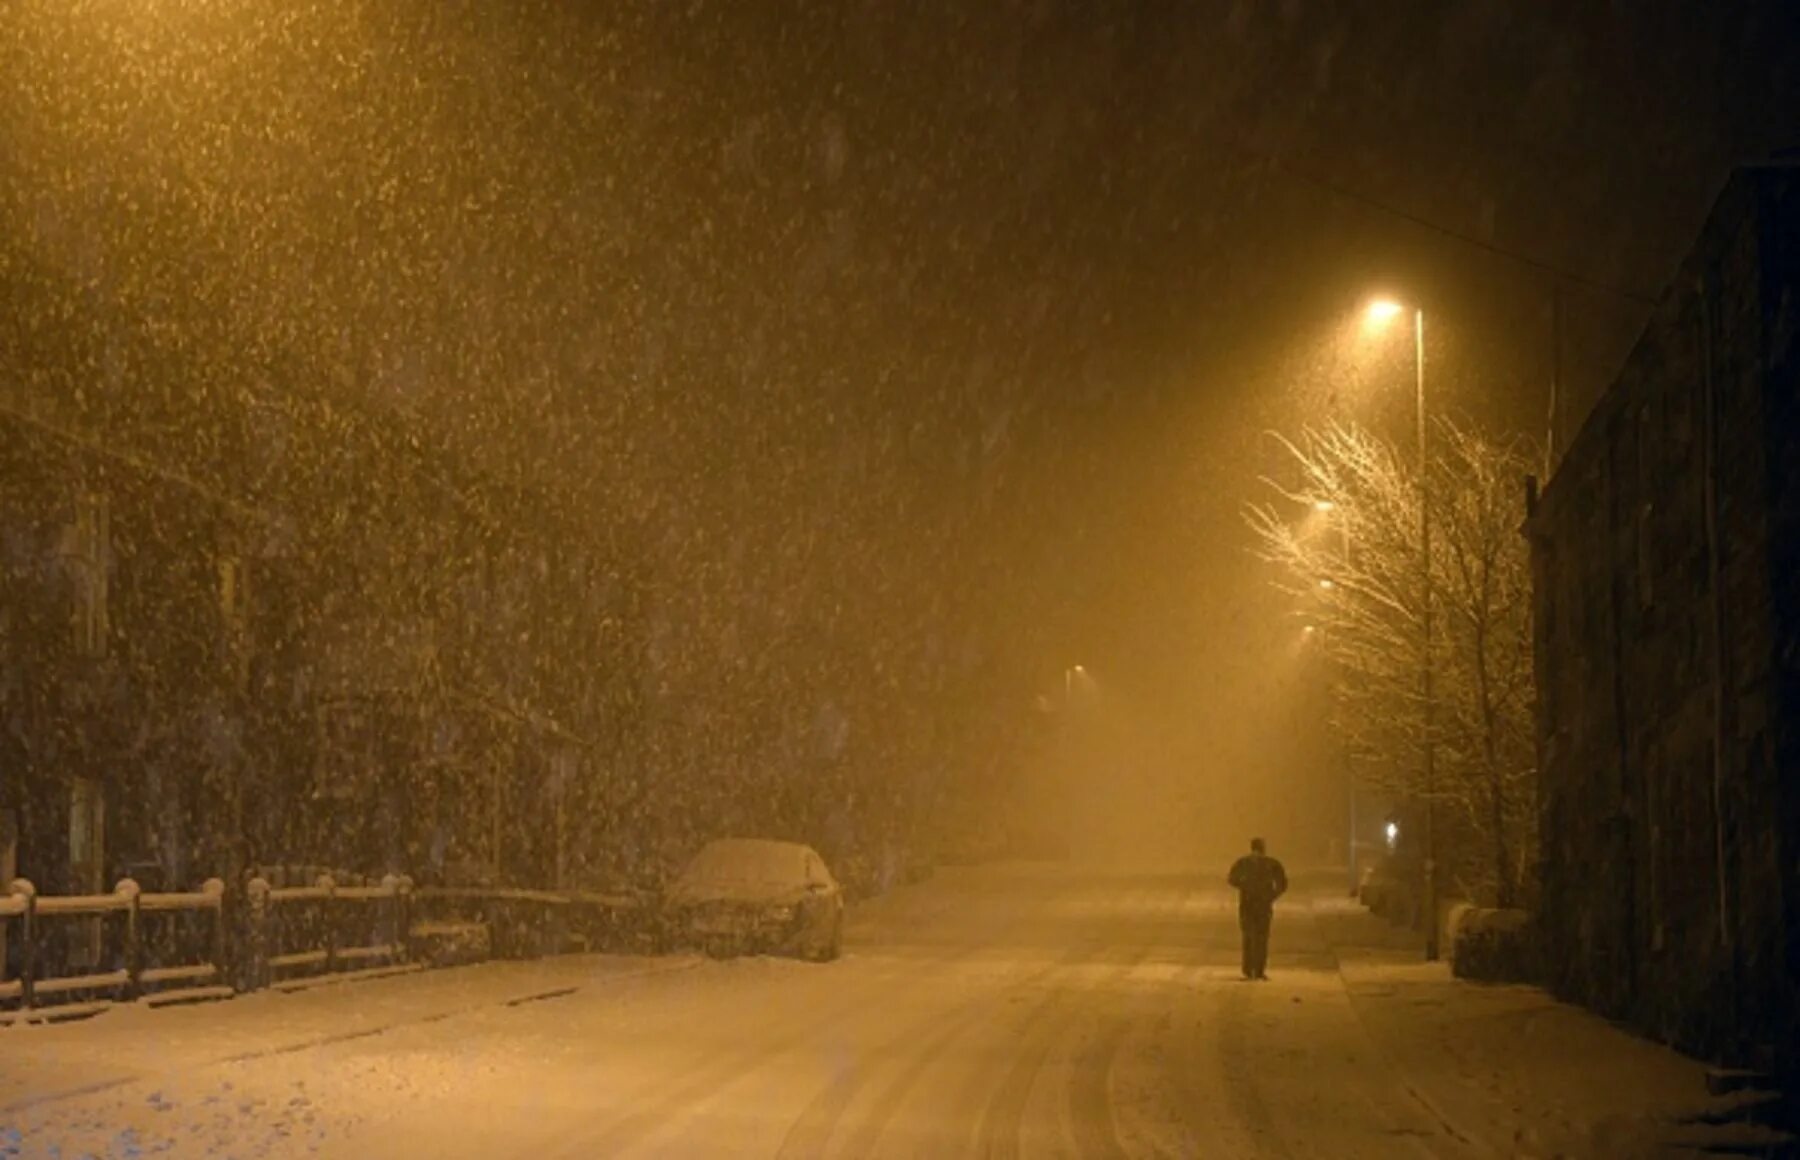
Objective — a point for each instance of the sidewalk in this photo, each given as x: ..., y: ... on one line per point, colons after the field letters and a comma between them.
x: 1515, y: 1073
x: 44, y: 1063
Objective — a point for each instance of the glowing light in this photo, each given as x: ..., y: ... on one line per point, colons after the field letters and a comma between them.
x: 1328, y: 583
x: 1309, y: 629
x: 1393, y: 834
x: 1323, y: 505
x: 1384, y: 310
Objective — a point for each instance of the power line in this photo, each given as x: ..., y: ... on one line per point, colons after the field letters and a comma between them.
x: 1370, y: 202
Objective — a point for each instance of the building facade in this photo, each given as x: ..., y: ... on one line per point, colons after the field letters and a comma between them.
x: 267, y: 631
x: 1666, y: 558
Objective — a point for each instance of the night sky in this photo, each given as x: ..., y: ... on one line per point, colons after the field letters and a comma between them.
x: 923, y: 349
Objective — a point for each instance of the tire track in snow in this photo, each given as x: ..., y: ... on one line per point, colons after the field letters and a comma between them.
x: 1092, y: 1110
x: 893, y: 1095
x: 1240, y: 1062
x: 1003, y: 1119
x: 812, y: 1131
x: 1090, y: 1095
x: 653, y: 1112
x: 1151, y: 1028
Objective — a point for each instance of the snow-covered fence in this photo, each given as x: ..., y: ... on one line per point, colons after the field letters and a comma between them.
x: 210, y: 943
x: 617, y: 921
x: 324, y: 928
x: 520, y: 923
x: 125, y: 974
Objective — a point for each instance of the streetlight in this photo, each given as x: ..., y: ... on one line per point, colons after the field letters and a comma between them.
x: 1381, y: 311
x: 1384, y: 310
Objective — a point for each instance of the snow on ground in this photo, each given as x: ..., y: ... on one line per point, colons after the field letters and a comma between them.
x: 1486, y: 1058
x: 112, y: 1085
x: 1001, y: 1011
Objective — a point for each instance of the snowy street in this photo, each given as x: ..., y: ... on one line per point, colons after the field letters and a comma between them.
x: 994, y: 1012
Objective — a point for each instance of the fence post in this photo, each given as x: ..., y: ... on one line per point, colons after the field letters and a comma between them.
x: 329, y: 911
x: 403, y: 905
x: 396, y: 917
x: 214, y: 888
x: 28, y: 944
x: 129, y: 890
x: 256, y: 968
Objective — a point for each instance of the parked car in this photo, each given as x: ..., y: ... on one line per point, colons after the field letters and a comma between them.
x: 753, y: 896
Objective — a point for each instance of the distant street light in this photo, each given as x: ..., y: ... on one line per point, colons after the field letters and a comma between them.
x: 1327, y: 583
x: 1380, y: 311
x: 1323, y: 505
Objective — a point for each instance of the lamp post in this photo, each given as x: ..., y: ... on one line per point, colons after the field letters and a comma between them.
x: 1381, y: 311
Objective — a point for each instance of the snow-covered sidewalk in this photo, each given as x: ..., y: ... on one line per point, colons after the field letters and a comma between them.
x: 130, y: 1043
x: 1511, y: 1070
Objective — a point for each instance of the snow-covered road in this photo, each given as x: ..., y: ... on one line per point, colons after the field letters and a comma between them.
x: 993, y: 1012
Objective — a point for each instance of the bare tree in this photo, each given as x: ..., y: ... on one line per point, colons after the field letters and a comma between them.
x: 1353, y: 568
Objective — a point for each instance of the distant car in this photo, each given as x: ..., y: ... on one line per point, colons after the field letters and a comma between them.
x: 751, y: 896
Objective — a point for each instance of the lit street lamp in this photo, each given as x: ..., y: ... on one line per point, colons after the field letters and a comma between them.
x: 1381, y: 311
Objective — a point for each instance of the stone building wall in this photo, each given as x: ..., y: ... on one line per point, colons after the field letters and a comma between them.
x: 1666, y: 604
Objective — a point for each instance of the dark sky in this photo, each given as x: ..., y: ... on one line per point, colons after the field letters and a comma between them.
x: 928, y: 345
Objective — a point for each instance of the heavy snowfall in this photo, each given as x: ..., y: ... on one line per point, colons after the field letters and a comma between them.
x: 787, y: 579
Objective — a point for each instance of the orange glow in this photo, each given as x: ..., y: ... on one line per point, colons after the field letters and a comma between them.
x: 1383, y: 310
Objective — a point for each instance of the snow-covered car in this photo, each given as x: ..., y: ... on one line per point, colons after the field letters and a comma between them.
x: 753, y: 896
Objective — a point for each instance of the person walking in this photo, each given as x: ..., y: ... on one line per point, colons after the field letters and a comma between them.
x: 1259, y: 881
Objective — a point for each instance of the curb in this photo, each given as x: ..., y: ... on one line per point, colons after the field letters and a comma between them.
x: 1394, y: 1066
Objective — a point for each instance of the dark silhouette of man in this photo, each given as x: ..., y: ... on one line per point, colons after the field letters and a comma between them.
x: 1259, y: 881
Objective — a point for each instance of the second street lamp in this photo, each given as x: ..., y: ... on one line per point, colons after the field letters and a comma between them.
x: 1380, y: 311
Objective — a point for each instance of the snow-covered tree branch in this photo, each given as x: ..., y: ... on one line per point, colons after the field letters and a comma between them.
x: 1354, y: 568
